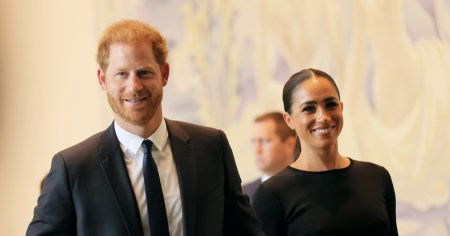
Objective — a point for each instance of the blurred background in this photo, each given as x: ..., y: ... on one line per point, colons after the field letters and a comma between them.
x: 229, y: 61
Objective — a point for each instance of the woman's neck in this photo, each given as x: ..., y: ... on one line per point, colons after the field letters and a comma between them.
x: 320, y: 159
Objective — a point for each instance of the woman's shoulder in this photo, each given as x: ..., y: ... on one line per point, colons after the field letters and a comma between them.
x: 368, y: 167
x: 281, y: 181
x: 277, y: 190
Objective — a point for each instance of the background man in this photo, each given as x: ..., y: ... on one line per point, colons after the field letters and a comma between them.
x: 273, y: 144
x: 144, y: 174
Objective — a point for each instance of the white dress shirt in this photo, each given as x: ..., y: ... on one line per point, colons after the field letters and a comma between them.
x: 132, y: 148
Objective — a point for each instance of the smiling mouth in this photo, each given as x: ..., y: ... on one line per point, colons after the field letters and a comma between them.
x: 323, y: 130
x: 134, y: 100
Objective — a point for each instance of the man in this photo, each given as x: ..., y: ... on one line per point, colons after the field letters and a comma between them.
x: 273, y: 144
x: 144, y: 175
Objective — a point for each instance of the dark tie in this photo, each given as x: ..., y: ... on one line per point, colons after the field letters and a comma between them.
x: 157, y: 217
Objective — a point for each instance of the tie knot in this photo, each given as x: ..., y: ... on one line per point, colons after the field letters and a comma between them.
x: 147, y: 145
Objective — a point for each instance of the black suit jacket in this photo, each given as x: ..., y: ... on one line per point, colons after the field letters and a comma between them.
x: 88, y: 191
x: 250, y: 188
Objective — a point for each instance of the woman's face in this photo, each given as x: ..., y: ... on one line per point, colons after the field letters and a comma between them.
x: 316, y: 113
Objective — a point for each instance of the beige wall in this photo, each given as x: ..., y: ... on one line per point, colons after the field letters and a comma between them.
x: 48, y: 95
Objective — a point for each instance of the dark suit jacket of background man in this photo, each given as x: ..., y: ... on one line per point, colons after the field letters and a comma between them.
x: 251, y: 187
x: 88, y: 191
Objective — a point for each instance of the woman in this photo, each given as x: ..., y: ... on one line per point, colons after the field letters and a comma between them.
x: 323, y: 192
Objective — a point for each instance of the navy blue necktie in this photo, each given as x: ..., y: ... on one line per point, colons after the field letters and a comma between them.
x: 156, y: 209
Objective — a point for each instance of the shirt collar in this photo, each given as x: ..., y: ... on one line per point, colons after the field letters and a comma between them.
x: 264, y: 177
x: 133, y: 142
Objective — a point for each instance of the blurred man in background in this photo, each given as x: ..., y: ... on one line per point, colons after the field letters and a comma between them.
x: 273, y: 144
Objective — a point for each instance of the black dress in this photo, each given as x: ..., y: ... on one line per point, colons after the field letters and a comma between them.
x: 356, y: 200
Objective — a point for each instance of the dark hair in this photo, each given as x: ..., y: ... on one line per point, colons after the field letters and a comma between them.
x: 282, y: 129
x: 297, y: 79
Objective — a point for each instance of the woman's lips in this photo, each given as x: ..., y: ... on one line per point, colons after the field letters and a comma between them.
x: 323, y: 129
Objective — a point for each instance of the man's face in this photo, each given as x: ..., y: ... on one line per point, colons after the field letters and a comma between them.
x: 271, y: 153
x: 134, y: 83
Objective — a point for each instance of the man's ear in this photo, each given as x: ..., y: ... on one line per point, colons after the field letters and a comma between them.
x: 165, y: 71
x: 101, y: 78
x: 288, y: 120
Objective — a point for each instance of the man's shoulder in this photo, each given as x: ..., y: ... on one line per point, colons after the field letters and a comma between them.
x: 250, y: 187
x: 88, y: 147
x: 252, y: 184
x: 191, y: 129
x: 189, y: 125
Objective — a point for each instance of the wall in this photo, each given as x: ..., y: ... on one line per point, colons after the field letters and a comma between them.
x: 49, y: 97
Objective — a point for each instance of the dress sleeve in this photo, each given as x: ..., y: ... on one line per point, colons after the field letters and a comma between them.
x: 270, y: 211
x: 391, y: 205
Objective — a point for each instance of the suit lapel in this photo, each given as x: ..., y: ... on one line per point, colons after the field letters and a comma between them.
x: 114, y: 168
x: 187, y: 173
